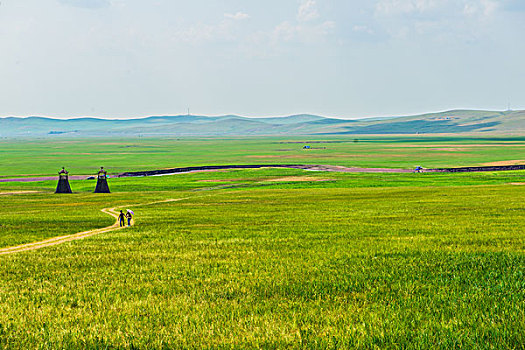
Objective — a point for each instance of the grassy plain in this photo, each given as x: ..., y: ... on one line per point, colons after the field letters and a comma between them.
x: 46, y: 156
x: 269, y: 258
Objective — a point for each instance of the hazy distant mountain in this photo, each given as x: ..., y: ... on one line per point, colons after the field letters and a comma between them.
x: 458, y: 121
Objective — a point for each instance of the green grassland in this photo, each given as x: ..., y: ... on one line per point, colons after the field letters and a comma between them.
x: 45, y: 157
x: 268, y: 258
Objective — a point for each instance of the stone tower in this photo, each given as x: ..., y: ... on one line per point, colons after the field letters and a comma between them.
x: 63, y: 182
x: 102, y: 181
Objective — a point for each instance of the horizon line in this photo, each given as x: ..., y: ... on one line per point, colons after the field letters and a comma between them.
x: 254, y: 117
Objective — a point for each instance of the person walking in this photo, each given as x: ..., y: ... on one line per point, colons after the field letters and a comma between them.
x: 121, y: 218
x: 129, y: 216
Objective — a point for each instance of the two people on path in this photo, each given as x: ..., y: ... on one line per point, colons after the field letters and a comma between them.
x: 122, y: 218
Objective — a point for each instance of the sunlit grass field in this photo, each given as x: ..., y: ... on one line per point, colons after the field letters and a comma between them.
x: 269, y: 258
x: 81, y: 157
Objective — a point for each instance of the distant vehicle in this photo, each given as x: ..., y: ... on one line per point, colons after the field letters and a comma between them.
x: 306, y: 147
x: 91, y: 178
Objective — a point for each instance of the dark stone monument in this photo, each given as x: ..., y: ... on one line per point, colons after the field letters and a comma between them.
x: 102, y: 181
x: 63, y: 182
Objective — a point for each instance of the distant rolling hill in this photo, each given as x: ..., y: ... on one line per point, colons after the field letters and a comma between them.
x: 457, y: 121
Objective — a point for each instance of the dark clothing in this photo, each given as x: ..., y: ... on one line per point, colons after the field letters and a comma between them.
x: 129, y: 216
x: 121, y: 219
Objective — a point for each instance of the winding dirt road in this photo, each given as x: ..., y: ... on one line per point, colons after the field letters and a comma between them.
x: 63, y: 239
x: 80, y: 235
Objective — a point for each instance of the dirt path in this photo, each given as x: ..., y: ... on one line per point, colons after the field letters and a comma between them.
x: 10, y: 193
x: 80, y: 235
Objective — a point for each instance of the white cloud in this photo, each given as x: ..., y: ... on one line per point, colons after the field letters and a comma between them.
x: 396, y: 7
x: 199, y: 33
x: 362, y: 29
x: 436, y: 8
x: 287, y: 32
x: 91, y: 4
x: 439, y: 21
x: 237, y: 16
x: 307, y: 11
x: 305, y: 29
x: 485, y: 8
x: 195, y: 34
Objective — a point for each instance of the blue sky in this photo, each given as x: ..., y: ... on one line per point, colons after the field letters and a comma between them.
x: 343, y: 58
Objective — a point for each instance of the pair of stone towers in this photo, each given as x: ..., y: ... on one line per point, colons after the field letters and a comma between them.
x: 64, y: 187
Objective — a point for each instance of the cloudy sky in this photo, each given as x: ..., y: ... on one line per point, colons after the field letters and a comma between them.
x: 343, y: 58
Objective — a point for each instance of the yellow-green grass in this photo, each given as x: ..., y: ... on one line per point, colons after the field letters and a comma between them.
x: 360, y: 261
x: 32, y: 212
